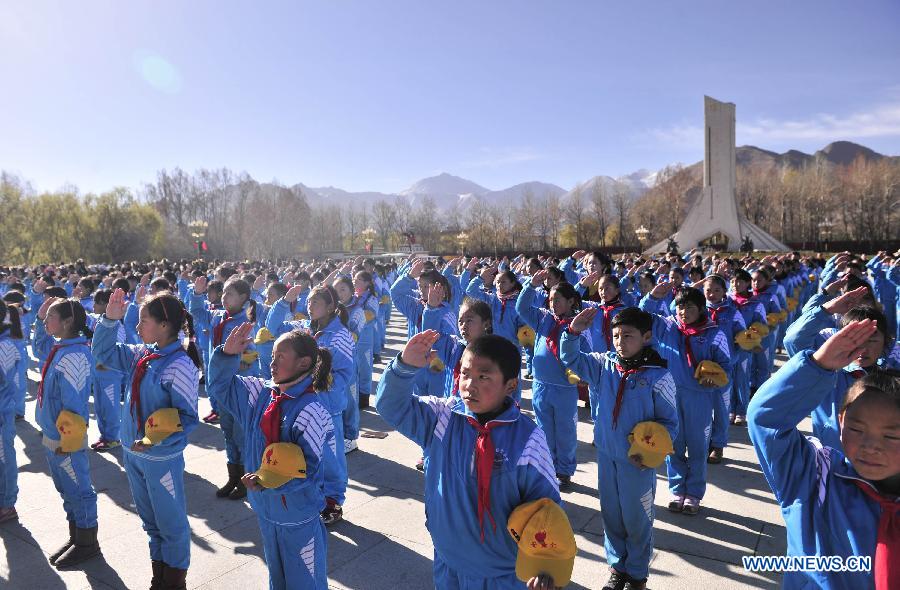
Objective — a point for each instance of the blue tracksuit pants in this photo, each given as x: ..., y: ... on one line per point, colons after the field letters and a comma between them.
x: 336, y: 463
x: 295, y: 555
x: 350, y: 415
x: 721, y: 409
x: 626, y: 506
x: 9, y: 471
x: 363, y: 358
x: 741, y: 389
x: 556, y: 410
x: 71, y: 475
x: 107, y: 390
x: 23, y: 377
x: 234, y: 437
x: 687, y: 466
x: 448, y: 579
x: 158, y: 490
x: 759, y: 368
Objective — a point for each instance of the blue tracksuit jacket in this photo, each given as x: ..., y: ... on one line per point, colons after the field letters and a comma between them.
x: 10, y: 361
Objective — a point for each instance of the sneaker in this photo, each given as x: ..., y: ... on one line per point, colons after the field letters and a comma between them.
x: 350, y: 445
x: 740, y: 420
x: 332, y: 513
x: 420, y: 465
x: 676, y: 504
x: 19, y: 417
x: 8, y: 513
x: 691, y: 506
x: 377, y: 359
x: 715, y: 456
x: 731, y: 418
x: 101, y: 446
x: 565, y: 481
x: 211, y: 418
x: 636, y: 584
x: 616, y: 581
x: 529, y: 376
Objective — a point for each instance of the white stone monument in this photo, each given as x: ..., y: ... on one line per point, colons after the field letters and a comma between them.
x: 714, y: 218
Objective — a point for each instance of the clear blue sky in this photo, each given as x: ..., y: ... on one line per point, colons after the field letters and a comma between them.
x: 374, y: 95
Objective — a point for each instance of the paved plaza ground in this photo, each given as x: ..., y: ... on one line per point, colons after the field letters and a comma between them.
x: 382, y: 542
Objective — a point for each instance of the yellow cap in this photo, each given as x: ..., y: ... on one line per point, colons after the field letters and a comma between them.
x: 263, y: 336
x: 760, y: 328
x: 545, y: 539
x: 573, y: 377
x: 747, y: 339
x: 651, y: 441
x: 526, y: 336
x: 712, y: 371
x: 791, y: 304
x: 160, y: 424
x: 384, y: 299
x: 72, y: 428
x: 370, y: 315
x: 300, y: 316
x: 772, y: 318
x: 281, y: 462
x: 436, y: 365
x: 782, y: 315
x: 249, y: 357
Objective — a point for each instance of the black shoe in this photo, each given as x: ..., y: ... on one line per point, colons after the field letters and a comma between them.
x: 420, y: 465
x: 363, y: 401
x: 715, y: 456
x: 564, y: 481
x: 239, y: 492
x: 616, y: 581
x: 377, y: 359
x: 332, y: 513
x: 636, y: 584
x: 174, y: 578
x: 234, y: 478
x: 55, y: 555
x: 85, y: 547
x: 529, y: 376
x: 158, y: 568
x: 19, y: 417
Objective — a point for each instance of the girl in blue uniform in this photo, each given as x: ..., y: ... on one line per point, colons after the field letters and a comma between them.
x: 61, y: 338
x: 835, y: 502
x: 158, y: 375
x: 555, y: 393
x: 367, y: 298
x: 284, y: 409
x: 107, y: 384
x: 753, y: 313
x: 15, y: 301
x: 10, y: 362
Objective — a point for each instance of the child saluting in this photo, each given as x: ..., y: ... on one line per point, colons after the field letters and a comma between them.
x: 485, y: 458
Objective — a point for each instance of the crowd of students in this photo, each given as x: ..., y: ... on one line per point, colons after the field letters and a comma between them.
x: 667, y: 351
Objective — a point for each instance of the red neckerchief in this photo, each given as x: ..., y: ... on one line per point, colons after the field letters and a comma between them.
x: 741, y: 300
x: 555, y: 332
x: 714, y: 312
x: 219, y: 330
x: 270, y: 423
x: 620, y: 394
x: 484, y: 465
x: 139, y: 371
x: 504, y: 299
x: 688, y: 332
x: 607, y: 319
x: 887, y: 544
x: 56, y: 347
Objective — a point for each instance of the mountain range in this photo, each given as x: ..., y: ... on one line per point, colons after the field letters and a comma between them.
x: 450, y: 191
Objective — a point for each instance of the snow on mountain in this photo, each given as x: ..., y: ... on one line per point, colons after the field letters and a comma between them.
x: 444, y: 188
x: 639, y: 181
x: 513, y: 195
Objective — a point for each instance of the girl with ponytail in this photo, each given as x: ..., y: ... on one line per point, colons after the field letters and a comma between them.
x: 160, y: 411
x: 15, y: 328
x: 11, y: 360
x: 285, y: 420
x: 61, y: 341
x: 327, y: 323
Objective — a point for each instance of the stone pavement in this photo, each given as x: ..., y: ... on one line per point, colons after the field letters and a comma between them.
x: 382, y: 542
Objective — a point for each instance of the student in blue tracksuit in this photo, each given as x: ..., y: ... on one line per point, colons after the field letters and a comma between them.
x: 356, y: 324
x: 503, y: 289
x: 753, y: 313
x: 10, y: 362
x: 554, y: 393
x: 484, y: 458
x: 367, y: 298
x: 263, y: 340
x: 761, y: 365
x: 14, y: 301
x: 731, y: 323
x: 384, y: 310
x: 107, y: 384
x: 158, y: 374
x: 409, y: 293
x: 835, y: 502
x: 284, y: 409
x: 238, y: 307
x: 327, y: 323
x: 811, y: 330
x: 61, y: 338
x: 685, y: 342
x: 628, y: 384
x: 609, y: 305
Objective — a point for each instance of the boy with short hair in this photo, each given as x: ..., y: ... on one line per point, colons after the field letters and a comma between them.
x: 483, y: 459
x: 631, y: 389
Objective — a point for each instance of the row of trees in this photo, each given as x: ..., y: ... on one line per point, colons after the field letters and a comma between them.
x: 242, y: 218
